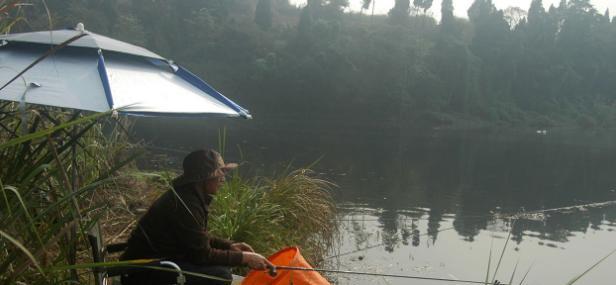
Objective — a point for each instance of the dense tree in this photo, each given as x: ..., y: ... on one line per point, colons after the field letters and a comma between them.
x: 514, y: 16
x: 578, y: 21
x: 423, y: 4
x: 496, y: 45
x: 400, y: 12
x: 536, y: 13
x: 447, y: 18
x: 582, y: 6
x: 306, y: 18
x: 365, y: 4
x: 263, y: 14
x: 544, y: 68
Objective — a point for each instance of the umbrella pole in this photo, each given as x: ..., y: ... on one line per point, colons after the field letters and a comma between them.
x: 72, y: 251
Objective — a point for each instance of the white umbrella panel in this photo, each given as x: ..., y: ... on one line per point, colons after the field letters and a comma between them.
x: 96, y: 73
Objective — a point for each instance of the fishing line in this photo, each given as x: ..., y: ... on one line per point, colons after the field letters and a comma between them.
x: 294, y: 268
x: 563, y: 209
x: 520, y: 214
x: 403, y: 218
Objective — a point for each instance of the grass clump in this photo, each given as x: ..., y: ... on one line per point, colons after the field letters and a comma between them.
x: 294, y: 209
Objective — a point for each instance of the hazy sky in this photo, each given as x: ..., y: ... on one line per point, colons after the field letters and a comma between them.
x: 461, y: 6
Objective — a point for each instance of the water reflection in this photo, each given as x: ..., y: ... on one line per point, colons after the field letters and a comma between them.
x: 402, y: 228
x: 399, y: 227
x: 474, y: 177
x: 396, y: 229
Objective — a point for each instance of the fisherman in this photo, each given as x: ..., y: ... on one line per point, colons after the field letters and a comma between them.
x: 175, y: 229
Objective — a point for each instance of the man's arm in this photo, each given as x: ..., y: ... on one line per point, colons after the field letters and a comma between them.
x: 193, y: 238
x: 226, y: 244
x: 220, y: 243
x: 197, y: 244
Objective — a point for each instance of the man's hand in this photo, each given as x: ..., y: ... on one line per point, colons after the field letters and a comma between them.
x: 255, y: 261
x: 241, y: 246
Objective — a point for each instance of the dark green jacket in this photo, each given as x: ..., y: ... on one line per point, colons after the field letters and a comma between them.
x: 178, y: 231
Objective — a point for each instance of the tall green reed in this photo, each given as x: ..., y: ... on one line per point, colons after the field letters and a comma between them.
x: 49, y: 175
x: 579, y: 276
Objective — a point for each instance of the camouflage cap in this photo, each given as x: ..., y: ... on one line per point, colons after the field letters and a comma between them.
x: 201, y: 165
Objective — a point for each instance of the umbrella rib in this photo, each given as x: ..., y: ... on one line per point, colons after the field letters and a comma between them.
x: 45, y: 55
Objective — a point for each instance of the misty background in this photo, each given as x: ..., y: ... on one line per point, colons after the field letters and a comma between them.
x: 545, y: 66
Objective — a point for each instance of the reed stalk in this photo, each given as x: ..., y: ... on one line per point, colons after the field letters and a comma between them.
x: 48, y: 179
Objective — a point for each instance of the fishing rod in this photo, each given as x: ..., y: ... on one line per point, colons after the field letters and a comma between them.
x: 522, y: 213
x: 273, y: 271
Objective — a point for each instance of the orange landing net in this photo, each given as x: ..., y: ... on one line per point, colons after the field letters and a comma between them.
x: 289, y: 256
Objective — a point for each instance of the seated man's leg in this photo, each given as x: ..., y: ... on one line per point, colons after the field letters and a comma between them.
x: 159, y: 277
x: 223, y: 272
x: 149, y: 276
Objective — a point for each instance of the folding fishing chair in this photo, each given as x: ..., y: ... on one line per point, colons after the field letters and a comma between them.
x: 109, y: 276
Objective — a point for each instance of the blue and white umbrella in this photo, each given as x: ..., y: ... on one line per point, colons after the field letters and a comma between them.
x: 99, y: 74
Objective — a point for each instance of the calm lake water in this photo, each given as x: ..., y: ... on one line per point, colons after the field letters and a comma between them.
x: 437, y: 203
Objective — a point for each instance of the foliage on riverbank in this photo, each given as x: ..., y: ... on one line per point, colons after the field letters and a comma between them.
x: 541, y: 65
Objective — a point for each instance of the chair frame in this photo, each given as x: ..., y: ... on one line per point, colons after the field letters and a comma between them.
x: 103, y: 275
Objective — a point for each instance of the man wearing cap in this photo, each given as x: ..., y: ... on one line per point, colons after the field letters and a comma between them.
x: 175, y: 228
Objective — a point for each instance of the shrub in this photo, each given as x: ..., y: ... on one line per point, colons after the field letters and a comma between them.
x: 272, y: 213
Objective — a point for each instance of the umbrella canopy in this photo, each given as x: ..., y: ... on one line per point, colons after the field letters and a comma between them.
x: 97, y: 73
